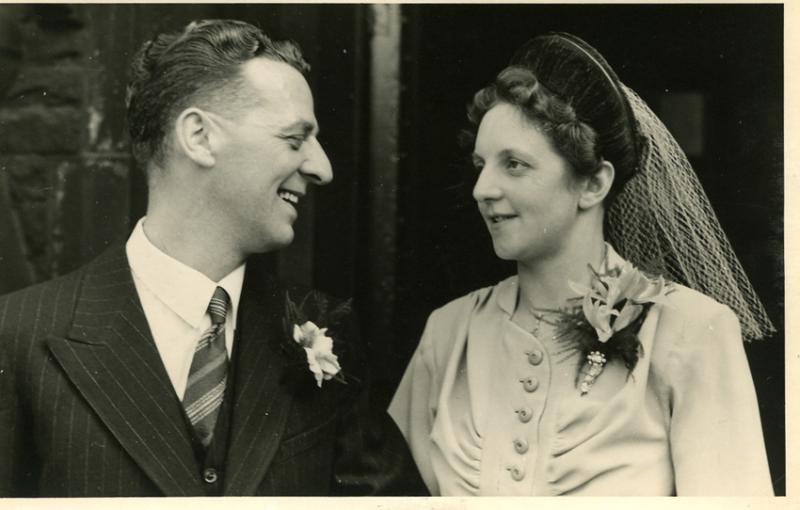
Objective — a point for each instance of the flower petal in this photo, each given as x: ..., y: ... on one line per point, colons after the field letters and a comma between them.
x: 628, y: 314
x: 322, y: 343
x: 579, y: 288
x: 309, y: 328
x: 603, y: 335
x: 329, y: 366
x: 598, y: 315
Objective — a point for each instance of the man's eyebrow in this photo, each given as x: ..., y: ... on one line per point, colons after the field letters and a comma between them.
x: 301, y: 125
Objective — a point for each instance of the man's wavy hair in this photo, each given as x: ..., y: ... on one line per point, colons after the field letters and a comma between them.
x: 199, y: 65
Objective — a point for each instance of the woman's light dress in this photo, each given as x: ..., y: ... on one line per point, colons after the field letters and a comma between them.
x: 490, y: 409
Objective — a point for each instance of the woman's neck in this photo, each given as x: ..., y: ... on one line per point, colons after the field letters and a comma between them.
x: 544, y: 283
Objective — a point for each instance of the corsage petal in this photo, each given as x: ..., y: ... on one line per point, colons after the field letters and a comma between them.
x: 583, y: 290
x: 297, y: 334
x: 628, y: 314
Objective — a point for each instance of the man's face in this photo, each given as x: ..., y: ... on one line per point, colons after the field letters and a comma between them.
x: 267, y: 157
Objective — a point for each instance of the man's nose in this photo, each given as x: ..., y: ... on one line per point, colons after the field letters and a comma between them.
x: 316, y: 167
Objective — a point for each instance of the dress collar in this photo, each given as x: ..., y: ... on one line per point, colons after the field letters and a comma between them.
x: 183, y: 289
x: 508, y: 289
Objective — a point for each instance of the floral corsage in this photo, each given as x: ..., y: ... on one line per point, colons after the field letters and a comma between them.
x: 604, y: 324
x: 309, y: 344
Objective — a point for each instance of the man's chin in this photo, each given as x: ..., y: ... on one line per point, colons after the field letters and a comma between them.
x: 275, y: 242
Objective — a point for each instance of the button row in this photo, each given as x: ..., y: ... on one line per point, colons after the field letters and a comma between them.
x: 524, y: 414
x: 530, y: 384
x: 517, y: 473
x: 210, y: 475
x: 535, y: 357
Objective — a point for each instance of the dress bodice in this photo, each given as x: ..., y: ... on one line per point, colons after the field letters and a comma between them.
x: 491, y: 409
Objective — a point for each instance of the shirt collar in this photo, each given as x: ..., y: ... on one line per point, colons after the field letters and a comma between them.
x: 183, y: 289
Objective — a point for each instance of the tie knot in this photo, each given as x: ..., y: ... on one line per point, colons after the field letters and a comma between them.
x: 218, y: 306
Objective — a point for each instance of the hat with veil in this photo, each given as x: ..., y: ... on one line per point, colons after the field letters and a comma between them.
x: 660, y: 219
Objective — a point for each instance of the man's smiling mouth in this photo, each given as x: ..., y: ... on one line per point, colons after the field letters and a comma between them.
x: 289, y: 196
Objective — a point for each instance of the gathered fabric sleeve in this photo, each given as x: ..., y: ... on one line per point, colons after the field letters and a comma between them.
x: 716, y: 440
x: 413, y: 408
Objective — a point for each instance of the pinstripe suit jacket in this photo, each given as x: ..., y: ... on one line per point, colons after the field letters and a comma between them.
x: 87, y: 409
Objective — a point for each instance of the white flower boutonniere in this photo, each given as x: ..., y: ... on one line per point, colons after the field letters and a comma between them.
x: 308, y: 345
x: 322, y: 362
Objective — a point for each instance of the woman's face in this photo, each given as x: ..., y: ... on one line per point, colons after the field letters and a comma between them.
x: 526, y: 191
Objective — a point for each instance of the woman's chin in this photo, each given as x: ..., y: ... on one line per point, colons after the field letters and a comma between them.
x: 506, y: 253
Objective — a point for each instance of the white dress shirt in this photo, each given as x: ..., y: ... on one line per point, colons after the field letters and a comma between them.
x: 175, y: 300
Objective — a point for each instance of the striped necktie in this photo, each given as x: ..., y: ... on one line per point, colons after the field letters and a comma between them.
x: 208, y: 373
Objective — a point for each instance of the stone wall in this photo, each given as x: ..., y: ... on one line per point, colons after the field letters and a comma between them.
x: 63, y: 181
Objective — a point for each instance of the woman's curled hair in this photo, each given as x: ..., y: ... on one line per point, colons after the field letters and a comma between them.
x: 574, y: 139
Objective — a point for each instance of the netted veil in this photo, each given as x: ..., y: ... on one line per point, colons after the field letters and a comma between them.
x: 663, y: 221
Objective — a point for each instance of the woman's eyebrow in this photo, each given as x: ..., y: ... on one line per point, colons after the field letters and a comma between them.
x: 516, y: 153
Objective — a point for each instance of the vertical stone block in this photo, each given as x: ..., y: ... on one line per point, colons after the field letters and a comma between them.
x: 92, y: 201
x: 39, y: 129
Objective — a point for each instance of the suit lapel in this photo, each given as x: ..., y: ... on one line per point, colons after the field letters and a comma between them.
x: 110, y: 356
x: 261, y: 403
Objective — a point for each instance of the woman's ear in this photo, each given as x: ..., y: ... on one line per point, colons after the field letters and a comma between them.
x: 596, y: 187
x: 192, y: 135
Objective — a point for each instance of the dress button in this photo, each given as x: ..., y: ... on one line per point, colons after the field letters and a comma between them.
x: 535, y: 357
x: 210, y: 475
x: 524, y: 414
x: 520, y: 446
x: 517, y: 473
x: 530, y: 384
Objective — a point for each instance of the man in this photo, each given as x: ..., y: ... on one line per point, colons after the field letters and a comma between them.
x: 168, y: 365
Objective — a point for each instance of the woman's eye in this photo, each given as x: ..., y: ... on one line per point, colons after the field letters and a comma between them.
x: 515, y: 164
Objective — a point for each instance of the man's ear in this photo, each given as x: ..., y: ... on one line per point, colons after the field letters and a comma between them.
x: 192, y: 136
x: 595, y: 188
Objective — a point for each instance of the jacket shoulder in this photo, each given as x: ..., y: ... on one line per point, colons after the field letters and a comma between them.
x: 44, y: 307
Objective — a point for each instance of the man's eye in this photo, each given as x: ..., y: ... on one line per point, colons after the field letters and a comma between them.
x: 295, y: 142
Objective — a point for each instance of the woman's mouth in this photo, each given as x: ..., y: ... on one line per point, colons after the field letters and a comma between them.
x: 496, y: 219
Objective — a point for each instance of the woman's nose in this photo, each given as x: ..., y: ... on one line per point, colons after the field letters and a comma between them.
x: 317, y: 166
x: 486, y: 187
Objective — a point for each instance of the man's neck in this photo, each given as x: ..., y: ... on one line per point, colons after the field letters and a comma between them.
x: 192, y: 241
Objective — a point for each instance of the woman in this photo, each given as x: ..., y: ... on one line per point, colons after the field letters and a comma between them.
x: 581, y: 374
